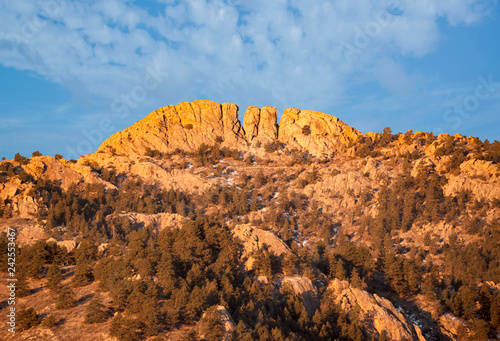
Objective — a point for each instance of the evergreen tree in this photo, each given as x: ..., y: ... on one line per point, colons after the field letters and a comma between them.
x: 125, y: 329
x: 467, y: 295
x: 66, y: 298
x: 211, y: 325
x: 54, y: 277
x: 22, y: 287
x: 27, y: 318
x: 480, y: 330
x: 96, y: 310
x: 495, y: 312
x: 190, y: 335
x: 83, y: 275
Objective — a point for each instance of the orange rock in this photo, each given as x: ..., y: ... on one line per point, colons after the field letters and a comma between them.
x: 326, y: 134
x: 260, y: 124
x: 185, y: 126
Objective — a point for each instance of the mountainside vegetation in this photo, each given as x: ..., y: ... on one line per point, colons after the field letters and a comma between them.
x: 153, y: 242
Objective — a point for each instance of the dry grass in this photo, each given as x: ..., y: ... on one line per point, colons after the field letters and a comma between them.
x: 69, y: 323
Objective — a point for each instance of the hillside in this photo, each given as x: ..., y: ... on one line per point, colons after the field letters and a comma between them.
x: 192, y: 225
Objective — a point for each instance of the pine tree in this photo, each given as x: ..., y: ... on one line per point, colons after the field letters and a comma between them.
x: 467, y: 295
x: 27, y: 318
x: 495, y: 312
x: 149, y: 314
x: 429, y: 287
x: 54, y: 277
x: 66, y: 298
x: 480, y: 330
x: 408, y: 211
x: 211, y: 325
x: 96, y: 310
x: 241, y: 333
x: 190, y: 335
x: 22, y: 287
x: 485, y: 302
x: 125, y: 329
x: 83, y: 275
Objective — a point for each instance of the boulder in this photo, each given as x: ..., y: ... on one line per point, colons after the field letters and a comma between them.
x: 375, y: 312
x: 70, y: 245
x: 318, y: 133
x: 24, y: 206
x: 159, y: 221
x: 305, y: 289
x: 449, y: 325
x: 251, y: 123
x: 479, y: 168
x: 8, y: 191
x: 254, y: 239
x: 227, y: 322
x: 260, y: 124
x: 56, y: 170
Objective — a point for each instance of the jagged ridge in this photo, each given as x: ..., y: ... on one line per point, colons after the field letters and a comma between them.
x: 189, y: 125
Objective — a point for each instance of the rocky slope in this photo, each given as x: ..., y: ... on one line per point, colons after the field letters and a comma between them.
x: 376, y: 313
x: 296, y: 192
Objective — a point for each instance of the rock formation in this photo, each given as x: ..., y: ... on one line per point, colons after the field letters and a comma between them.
x: 318, y: 133
x: 68, y: 244
x: 228, y: 324
x: 254, y: 239
x: 185, y: 126
x: 188, y: 125
x: 158, y: 221
x: 375, y: 312
x: 305, y: 289
x: 260, y: 124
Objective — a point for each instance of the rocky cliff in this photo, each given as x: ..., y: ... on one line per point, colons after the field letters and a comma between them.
x: 375, y: 312
x: 189, y: 125
x: 316, y: 132
x: 184, y: 126
x: 260, y: 124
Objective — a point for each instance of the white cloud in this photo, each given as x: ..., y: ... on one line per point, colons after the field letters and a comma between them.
x: 283, y: 52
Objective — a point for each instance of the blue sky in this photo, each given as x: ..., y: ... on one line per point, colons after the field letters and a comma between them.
x: 74, y: 72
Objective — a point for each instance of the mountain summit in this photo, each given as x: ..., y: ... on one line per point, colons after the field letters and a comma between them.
x: 187, y: 126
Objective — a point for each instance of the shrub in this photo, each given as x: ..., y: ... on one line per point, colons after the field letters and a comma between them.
x: 21, y: 159
x: 96, y: 310
x: 66, y: 299
x: 271, y: 147
x: 306, y: 130
x: 27, y: 318
x: 49, y: 321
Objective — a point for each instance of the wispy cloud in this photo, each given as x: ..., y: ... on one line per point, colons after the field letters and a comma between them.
x: 284, y: 53
x: 288, y: 52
